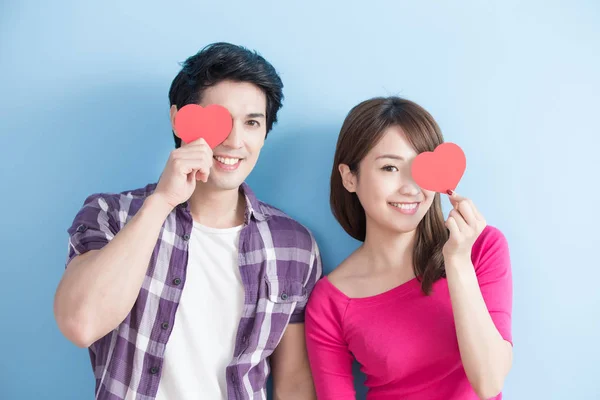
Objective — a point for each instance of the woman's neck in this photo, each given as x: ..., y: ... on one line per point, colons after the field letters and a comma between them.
x: 387, y: 250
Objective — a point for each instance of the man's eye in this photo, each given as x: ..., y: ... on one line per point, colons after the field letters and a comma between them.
x: 389, y: 168
x: 253, y: 123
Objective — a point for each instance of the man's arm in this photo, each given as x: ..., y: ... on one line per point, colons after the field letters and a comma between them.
x: 100, y: 287
x: 102, y: 282
x: 292, y: 378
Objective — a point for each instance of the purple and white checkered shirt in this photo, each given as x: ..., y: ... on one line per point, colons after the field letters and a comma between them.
x: 279, y: 262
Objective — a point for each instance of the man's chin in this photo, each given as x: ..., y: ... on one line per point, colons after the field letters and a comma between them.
x: 225, y: 183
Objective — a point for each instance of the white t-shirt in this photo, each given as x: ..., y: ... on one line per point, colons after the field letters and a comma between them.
x: 203, y: 337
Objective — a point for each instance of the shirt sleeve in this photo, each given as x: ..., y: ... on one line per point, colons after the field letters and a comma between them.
x: 329, y: 356
x: 491, y: 259
x: 314, y: 275
x: 94, y: 225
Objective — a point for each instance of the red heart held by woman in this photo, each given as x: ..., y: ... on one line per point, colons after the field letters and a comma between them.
x: 213, y: 123
x: 440, y: 170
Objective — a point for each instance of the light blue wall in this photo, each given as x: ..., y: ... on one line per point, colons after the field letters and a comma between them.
x: 516, y: 83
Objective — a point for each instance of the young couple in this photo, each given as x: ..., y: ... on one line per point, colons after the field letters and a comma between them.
x: 192, y: 288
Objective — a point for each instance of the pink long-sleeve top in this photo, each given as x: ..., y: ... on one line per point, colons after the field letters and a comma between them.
x: 404, y: 340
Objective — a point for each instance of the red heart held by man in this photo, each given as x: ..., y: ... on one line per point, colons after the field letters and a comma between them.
x: 213, y: 123
x: 440, y: 170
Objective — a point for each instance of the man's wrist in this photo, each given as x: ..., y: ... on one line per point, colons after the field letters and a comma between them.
x: 155, y: 204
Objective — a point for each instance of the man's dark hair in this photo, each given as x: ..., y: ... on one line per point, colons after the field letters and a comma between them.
x: 224, y: 61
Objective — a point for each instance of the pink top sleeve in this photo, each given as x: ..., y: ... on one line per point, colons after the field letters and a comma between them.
x: 491, y: 258
x: 330, y: 359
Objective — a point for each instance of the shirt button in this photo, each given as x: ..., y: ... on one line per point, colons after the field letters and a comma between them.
x: 186, y: 237
x: 154, y: 370
x: 284, y: 296
x: 183, y: 205
x: 232, y: 378
x: 165, y: 325
x: 81, y: 228
x: 176, y: 281
x: 244, y: 339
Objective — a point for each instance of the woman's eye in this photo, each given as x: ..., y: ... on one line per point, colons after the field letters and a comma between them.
x: 390, y: 168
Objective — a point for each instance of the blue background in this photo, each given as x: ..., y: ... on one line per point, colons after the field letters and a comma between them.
x: 84, y: 108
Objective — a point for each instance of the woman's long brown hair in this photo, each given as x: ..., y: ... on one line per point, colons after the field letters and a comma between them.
x: 362, y: 129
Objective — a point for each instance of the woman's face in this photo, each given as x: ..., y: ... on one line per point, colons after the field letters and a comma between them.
x: 384, y: 185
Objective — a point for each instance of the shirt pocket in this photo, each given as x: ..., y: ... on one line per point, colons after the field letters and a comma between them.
x: 282, y: 297
x: 285, y: 291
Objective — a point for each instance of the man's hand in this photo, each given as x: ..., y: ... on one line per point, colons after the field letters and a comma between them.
x: 186, y: 165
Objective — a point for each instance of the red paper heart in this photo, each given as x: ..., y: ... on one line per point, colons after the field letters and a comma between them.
x: 213, y: 123
x: 440, y: 170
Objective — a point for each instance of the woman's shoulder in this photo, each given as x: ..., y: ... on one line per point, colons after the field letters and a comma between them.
x: 330, y: 285
x: 490, y: 237
x: 327, y: 293
x: 490, y: 247
x: 345, y: 276
x: 326, y: 305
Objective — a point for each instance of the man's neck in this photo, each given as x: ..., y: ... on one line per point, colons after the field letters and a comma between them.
x: 217, y: 208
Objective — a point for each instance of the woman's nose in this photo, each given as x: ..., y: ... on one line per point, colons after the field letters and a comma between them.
x: 408, y: 186
x: 409, y: 189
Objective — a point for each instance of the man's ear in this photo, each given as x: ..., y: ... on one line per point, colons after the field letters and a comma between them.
x: 173, y: 113
x: 348, y: 178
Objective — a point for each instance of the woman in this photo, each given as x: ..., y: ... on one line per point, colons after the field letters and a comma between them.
x: 424, y: 304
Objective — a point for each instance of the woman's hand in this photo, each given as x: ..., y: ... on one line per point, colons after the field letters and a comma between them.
x: 465, y: 224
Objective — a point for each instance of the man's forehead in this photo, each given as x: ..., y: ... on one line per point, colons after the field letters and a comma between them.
x: 241, y: 110
x: 240, y: 98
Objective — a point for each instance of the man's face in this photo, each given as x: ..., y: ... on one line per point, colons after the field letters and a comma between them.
x: 234, y: 159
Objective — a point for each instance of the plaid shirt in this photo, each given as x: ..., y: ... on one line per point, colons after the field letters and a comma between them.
x: 279, y: 262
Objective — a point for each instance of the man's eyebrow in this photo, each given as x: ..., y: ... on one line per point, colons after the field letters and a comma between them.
x: 255, y: 115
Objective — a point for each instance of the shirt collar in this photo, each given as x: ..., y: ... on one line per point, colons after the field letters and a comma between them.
x: 254, y: 208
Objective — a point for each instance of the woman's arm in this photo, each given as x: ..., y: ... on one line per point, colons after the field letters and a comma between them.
x: 485, y: 354
x: 481, y: 297
x: 330, y: 359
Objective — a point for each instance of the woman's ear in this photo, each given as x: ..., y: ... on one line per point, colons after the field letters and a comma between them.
x: 348, y: 178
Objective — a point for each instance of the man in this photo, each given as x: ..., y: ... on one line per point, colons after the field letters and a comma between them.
x: 192, y: 288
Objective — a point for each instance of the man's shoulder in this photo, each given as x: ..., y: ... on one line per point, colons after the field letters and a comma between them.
x: 287, y: 227
x: 129, y: 200
x: 279, y: 219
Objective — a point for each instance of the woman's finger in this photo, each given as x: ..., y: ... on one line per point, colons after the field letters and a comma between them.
x: 460, y: 221
x: 465, y: 209
x: 452, y: 227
